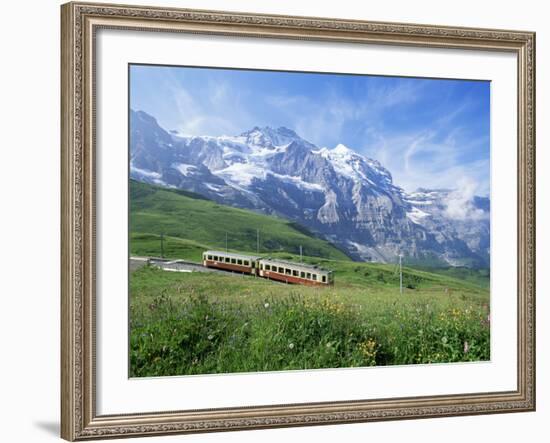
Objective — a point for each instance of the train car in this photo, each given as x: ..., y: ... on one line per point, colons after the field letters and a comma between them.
x: 297, y: 273
x: 230, y: 261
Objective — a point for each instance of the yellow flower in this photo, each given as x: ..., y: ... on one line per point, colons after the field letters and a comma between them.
x: 369, y: 349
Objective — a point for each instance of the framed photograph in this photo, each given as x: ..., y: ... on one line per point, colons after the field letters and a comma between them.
x: 283, y: 221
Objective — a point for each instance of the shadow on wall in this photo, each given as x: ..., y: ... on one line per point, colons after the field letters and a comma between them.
x: 50, y: 427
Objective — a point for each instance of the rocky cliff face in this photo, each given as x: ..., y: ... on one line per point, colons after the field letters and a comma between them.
x: 342, y: 196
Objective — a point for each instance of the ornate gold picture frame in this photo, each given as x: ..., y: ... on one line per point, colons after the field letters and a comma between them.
x: 80, y: 23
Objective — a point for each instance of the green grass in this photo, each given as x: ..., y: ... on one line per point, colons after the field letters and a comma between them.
x: 199, y: 323
x: 213, y: 323
x: 481, y: 277
x: 148, y: 245
x: 375, y: 276
x: 182, y: 216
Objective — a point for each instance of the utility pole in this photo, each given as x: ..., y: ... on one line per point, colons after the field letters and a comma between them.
x: 258, y: 241
x: 226, y: 241
x: 400, y: 275
x: 301, y: 254
x: 162, y: 245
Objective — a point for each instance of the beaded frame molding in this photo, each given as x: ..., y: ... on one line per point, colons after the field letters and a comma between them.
x: 79, y: 23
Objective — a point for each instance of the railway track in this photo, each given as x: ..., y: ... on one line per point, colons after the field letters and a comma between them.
x: 176, y: 265
x: 184, y: 266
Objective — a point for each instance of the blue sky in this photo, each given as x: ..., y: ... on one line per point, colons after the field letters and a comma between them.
x: 427, y: 132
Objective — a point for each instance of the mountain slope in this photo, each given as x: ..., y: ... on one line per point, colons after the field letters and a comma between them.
x: 340, y: 195
x: 192, y: 224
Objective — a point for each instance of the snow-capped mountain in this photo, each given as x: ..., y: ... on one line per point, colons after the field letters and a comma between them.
x: 342, y: 196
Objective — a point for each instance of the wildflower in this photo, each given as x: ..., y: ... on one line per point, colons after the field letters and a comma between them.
x: 444, y: 340
x: 266, y: 305
x: 210, y: 337
x: 291, y: 346
x: 369, y: 349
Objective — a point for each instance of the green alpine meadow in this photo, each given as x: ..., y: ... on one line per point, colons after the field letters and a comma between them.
x: 221, y: 322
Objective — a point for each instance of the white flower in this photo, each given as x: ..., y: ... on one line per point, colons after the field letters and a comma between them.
x: 291, y: 346
x: 266, y: 305
x: 210, y: 337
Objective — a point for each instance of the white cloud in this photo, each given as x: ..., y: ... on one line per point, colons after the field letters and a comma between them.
x: 403, y: 92
x: 220, y: 115
x: 460, y: 204
x: 434, y: 157
x: 322, y: 119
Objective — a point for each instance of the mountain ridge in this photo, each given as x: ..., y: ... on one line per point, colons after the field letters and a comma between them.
x: 346, y: 198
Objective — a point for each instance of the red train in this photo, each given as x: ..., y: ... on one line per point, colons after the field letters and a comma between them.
x: 271, y: 268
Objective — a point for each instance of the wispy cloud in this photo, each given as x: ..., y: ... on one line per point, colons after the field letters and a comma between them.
x: 328, y: 117
x: 460, y: 202
x: 198, y: 116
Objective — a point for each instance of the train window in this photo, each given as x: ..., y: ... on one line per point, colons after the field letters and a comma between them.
x: 281, y: 270
x: 246, y: 263
x: 314, y: 277
x: 309, y: 276
x: 227, y: 260
x: 215, y: 258
x: 324, y: 278
x: 287, y: 271
x: 239, y: 262
x: 295, y: 273
x: 209, y: 257
x: 302, y: 274
x: 267, y: 268
x: 233, y: 260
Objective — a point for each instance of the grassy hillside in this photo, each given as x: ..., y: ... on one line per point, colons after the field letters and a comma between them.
x: 379, y: 275
x: 196, y: 323
x: 481, y: 277
x: 200, y: 323
x: 192, y: 224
